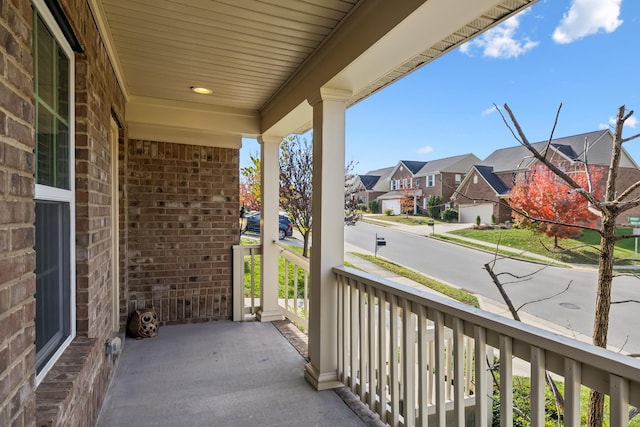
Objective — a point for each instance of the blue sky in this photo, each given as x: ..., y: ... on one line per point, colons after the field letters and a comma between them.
x: 581, y: 53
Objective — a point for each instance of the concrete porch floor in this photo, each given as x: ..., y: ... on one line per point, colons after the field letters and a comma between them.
x: 218, y: 374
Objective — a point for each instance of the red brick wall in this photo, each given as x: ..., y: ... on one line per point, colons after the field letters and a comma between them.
x: 17, y: 239
x: 183, y: 220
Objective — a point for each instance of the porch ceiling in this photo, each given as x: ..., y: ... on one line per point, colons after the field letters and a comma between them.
x: 264, y: 58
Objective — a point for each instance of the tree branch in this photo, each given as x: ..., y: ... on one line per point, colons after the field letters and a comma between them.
x: 561, y: 174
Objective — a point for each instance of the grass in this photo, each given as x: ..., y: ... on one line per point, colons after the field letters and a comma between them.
x: 521, y: 400
x: 450, y: 291
x: 584, y: 250
x: 399, y: 219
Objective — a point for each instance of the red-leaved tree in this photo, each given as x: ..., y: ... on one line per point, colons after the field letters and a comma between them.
x: 540, y: 194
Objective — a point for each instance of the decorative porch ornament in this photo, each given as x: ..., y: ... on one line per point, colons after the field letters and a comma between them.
x: 143, y: 323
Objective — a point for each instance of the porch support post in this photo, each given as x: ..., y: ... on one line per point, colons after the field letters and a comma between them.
x: 329, y: 107
x: 269, y: 182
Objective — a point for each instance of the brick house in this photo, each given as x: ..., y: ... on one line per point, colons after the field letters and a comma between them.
x: 119, y: 172
x: 485, y: 190
x: 366, y: 188
x: 441, y: 177
x: 422, y: 180
x: 402, y: 184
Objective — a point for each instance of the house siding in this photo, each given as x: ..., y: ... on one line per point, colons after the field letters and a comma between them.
x: 183, y: 220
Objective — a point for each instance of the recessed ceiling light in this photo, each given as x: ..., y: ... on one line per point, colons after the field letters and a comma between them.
x: 201, y: 90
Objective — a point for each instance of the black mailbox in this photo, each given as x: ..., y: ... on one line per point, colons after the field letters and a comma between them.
x: 380, y: 241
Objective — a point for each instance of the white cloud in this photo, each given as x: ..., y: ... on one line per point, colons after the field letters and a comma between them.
x: 425, y: 150
x: 586, y: 17
x: 631, y: 122
x: 489, y: 111
x: 501, y: 41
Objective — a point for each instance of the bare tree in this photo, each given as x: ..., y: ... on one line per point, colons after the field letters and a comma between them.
x: 609, y: 208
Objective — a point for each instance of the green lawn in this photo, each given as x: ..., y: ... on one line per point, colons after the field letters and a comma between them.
x: 450, y: 291
x: 584, y: 250
x: 400, y: 219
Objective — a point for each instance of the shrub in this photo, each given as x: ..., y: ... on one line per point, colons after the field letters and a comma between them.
x: 388, y: 212
x: 450, y: 215
x: 361, y: 207
x: 374, y: 206
x: 493, y: 218
x: 478, y: 220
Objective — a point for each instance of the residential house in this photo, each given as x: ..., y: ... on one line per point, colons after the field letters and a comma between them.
x: 401, y: 186
x: 485, y: 190
x: 422, y: 180
x: 366, y: 188
x: 120, y: 128
x: 441, y: 177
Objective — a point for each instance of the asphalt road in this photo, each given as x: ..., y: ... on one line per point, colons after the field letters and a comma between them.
x: 464, y: 268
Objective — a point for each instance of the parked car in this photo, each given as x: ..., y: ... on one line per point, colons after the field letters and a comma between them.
x: 285, y: 227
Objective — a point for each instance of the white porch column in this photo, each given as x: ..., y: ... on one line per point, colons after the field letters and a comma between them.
x: 328, y: 234
x: 269, y: 182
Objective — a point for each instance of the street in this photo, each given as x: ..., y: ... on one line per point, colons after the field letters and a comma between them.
x: 464, y: 268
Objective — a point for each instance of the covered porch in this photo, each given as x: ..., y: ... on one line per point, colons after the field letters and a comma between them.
x: 157, y: 97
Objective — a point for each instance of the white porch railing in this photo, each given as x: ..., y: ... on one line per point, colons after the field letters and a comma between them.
x: 293, y: 289
x: 387, y: 358
x: 294, y: 300
x: 414, y: 357
x: 246, y: 292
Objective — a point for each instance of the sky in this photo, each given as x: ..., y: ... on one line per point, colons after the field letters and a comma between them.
x: 581, y: 53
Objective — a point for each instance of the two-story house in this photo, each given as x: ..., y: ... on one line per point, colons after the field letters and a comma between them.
x: 402, y: 183
x: 484, y: 192
x: 441, y: 177
x: 422, y: 180
x: 365, y: 188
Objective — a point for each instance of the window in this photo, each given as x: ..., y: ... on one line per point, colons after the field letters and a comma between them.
x: 417, y: 182
x: 394, y: 185
x: 458, y: 179
x: 475, y: 179
x: 54, y: 193
x: 431, y: 180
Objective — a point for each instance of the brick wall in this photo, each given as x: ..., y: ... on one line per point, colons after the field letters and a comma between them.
x: 183, y: 219
x: 17, y: 239
x: 71, y: 394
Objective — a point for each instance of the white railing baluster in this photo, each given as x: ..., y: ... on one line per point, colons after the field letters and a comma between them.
x: 286, y: 285
x: 481, y: 389
x: 423, y: 369
x: 409, y: 363
x: 341, y: 327
x: 619, y: 404
x: 572, y: 381
x: 373, y: 349
x: 295, y: 289
x: 353, y: 345
x: 441, y: 413
x: 458, y: 372
x: 394, y: 386
x: 364, y: 342
x: 506, y: 382
x: 537, y: 387
x: 383, y: 353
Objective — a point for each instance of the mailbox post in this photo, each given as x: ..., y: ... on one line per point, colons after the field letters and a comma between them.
x: 634, y: 221
x: 379, y: 242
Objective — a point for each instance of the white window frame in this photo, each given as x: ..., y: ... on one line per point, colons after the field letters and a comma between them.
x: 431, y: 181
x: 47, y: 193
x: 457, y: 178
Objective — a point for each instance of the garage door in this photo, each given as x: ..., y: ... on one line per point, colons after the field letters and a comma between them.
x: 393, y: 204
x: 468, y: 213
